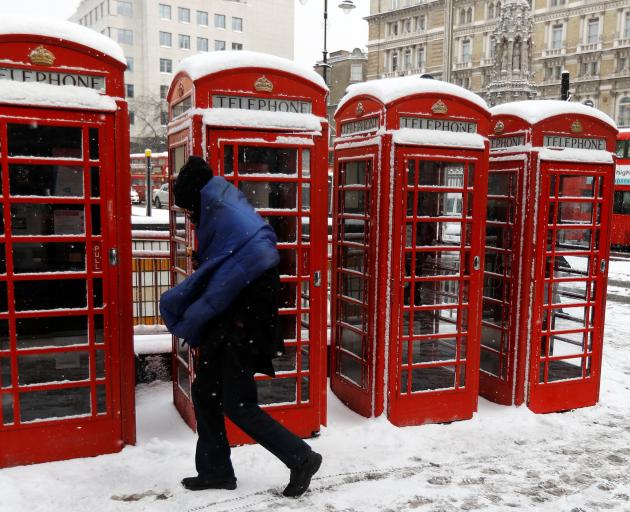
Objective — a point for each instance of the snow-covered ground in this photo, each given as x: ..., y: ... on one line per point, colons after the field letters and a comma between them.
x: 503, y: 459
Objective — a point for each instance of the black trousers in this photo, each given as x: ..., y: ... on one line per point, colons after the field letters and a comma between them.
x: 225, y: 386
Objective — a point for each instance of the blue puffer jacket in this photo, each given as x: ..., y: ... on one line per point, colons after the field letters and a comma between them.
x: 235, y: 247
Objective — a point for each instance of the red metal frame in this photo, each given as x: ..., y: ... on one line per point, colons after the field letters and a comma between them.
x: 553, y: 297
x: 385, y: 340
x: 108, y: 421
x: 138, y: 169
x: 303, y: 254
x: 620, y: 227
x: 360, y: 394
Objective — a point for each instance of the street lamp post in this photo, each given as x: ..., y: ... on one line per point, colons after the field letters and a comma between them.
x: 346, y: 6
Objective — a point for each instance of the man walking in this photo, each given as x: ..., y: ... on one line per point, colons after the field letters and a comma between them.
x: 228, y: 308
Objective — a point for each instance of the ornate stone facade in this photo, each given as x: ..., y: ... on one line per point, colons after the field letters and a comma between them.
x: 588, y: 38
x: 511, y: 75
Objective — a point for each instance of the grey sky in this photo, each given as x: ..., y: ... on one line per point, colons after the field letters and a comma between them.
x: 344, y: 31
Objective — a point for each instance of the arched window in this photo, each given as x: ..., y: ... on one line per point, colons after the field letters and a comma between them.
x: 469, y: 15
x: 490, y: 11
x: 623, y: 118
x: 395, y: 60
x: 462, y: 16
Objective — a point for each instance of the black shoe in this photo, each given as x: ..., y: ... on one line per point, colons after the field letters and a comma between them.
x: 301, y: 476
x: 200, y: 483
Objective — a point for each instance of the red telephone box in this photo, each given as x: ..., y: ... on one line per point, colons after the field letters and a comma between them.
x: 550, y: 192
x: 260, y: 121
x: 66, y: 346
x: 408, y: 228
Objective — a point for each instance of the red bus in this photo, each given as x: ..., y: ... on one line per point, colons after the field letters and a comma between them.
x: 620, y: 228
x: 159, y: 172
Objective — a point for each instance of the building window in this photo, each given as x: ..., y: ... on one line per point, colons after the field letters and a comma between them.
x: 237, y: 24
x: 202, y: 44
x: 132, y: 117
x: 166, y: 66
x: 555, y: 72
x: 123, y: 8
x: 394, y: 61
x: 163, y: 92
x: 129, y: 63
x: 626, y: 25
x: 592, y: 32
x: 356, y: 72
x: 469, y: 17
x: 124, y: 36
x: 462, y: 16
x: 219, y: 21
x: 407, y: 59
x: 237, y: 46
x: 202, y: 18
x: 421, y: 22
x: 556, y: 37
x: 420, y: 57
x: 129, y: 90
x: 621, y: 64
x: 165, y: 11
x: 466, y: 51
x: 166, y: 39
x: 393, y: 28
x: 407, y: 26
x: 556, y: 3
x: 623, y: 119
x: 183, y: 14
x: 184, y: 42
x: 395, y: 4
x: 490, y: 11
x: 163, y: 118
x: 219, y: 46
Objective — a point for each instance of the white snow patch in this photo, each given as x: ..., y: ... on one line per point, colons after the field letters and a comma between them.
x: 534, y: 111
x: 139, y: 216
x: 387, y: 90
x: 235, y: 117
x: 62, y: 30
x: 46, y: 95
x: 576, y: 155
x: 297, y: 141
x: 202, y: 64
x: 438, y: 138
x: 152, y: 343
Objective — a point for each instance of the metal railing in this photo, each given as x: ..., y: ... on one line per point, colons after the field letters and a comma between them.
x: 150, y: 278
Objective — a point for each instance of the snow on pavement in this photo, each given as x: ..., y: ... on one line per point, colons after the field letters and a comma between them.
x: 505, y: 458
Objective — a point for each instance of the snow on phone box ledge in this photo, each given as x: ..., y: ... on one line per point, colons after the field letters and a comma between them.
x: 46, y: 95
x: 252, y: 119
x: 438, y: 138
x: 576, y: 155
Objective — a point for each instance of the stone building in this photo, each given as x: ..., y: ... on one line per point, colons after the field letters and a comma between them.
x: 456, y: 40
x: 157, y: 34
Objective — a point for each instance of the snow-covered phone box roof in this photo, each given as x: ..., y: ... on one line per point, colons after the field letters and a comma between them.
x: 554, y: 130
x: 55, y: 63
x: 203, y: 64
x: 247, y: 90
x: 416, y: 111
x: 535, y: 111
x: 12, y: 24
x: 388, y: 90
